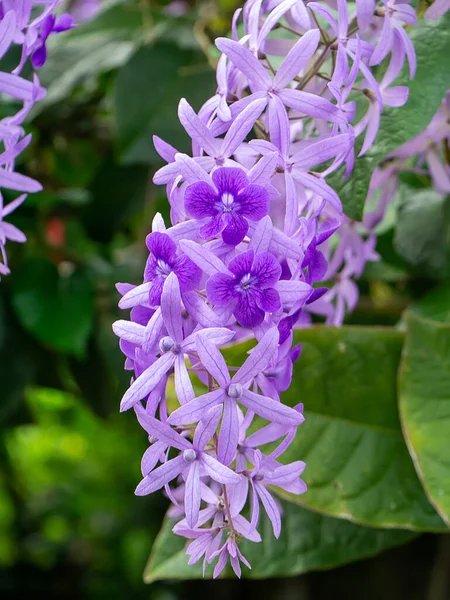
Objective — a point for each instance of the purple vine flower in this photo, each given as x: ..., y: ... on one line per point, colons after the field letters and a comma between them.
x: 228, y: 206
x: 162, y: 261
x: 250, y: 288
x: 250, y: 243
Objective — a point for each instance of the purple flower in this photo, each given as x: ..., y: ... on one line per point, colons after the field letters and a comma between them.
x: 162, y: 261
x: 172, y: 347
x: 50, y: 25
x: 230, y: 551
x: 8, y: 231
x: 264, y: 87
x: 234, y: 390
x: 286, y: 477
x: 228, y: 206
x: 254, y: 219
x: 192, y: 463
x: 250, y: 288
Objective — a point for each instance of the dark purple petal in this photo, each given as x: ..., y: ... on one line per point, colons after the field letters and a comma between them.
x: 188, y: 273
x: 266, y: 268
x: 269, y: 300
x: 161, y: 246
x: 285, y: 270
x: 64, y: 23
x: 47, y: 26
x: 39, y: 57
x: 327, y: 229
x: 141, y: 314
x: 154, y: 295
x: 242, y: 264
x: 253, y: 202
x: 285, y: 325
x: 235, y: 229
x: 230, y: 180
x: 247, y: 311
x: 200, y: 199
x: 317, y: 267
x: 316, y: 294
x: 150, y: 268
x: 213, y: 227
x: 220, y: 289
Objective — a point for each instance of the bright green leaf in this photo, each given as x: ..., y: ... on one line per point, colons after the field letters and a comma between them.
x: 424, y: 394
x: 308, y: 542
x: 358, y: 466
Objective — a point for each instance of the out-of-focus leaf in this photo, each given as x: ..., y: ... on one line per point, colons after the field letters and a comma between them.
x: 422, y: 232
x: 146, y: 96
x: 94, y: 47
x: 56, y: 309
x: 308, y: 542
x: 435, y: 304
x: 17, y: 365
x: 77, y: 60
x: 118, y: 192
x: 358, y: 465
x: 424, y: 394
x: 431, y: 40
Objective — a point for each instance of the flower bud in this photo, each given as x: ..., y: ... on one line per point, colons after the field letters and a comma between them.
x: 235, y: 390
x: 166, y: 344
x: 189, y: 455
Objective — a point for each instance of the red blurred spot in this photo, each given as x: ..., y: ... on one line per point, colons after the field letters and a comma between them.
x: 55, y: 232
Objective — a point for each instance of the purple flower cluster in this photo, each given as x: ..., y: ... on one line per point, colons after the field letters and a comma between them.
x: 28, y: 24
x: 248, y: 245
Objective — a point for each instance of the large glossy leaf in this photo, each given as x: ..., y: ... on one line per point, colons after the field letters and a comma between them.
x: 308, y: 542
x: 422, y: 231
x: 431, y: 40
x: 56, y: 309
x: 424, y: 394
x: 435, y: 304
x: 143, y: 109
x: 358, y: 466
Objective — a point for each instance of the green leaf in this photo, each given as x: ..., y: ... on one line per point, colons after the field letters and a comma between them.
x: 358, y: 466
x: 94, y: 47
x: 431, y: 40
x: 146, y: 96
x: 424, y: 394
x: 308, y: 542
x: 422, y: 232
x: 56, y: 309
x: 435, y: 304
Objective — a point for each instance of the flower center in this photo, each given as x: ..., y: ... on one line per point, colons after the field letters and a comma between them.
x: 189, y: 455
x: 246, y: 283
x: 162, y: 268
x: 227, y: 202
